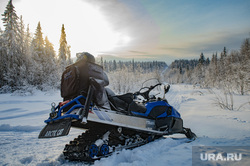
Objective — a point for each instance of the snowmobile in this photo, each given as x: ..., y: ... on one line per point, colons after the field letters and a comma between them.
x: 111, y: 122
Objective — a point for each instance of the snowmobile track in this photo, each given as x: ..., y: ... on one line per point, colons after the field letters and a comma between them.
x: 106, y: 142
x: 101, y: 142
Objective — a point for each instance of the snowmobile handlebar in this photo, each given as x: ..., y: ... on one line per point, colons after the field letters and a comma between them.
x: 146, y: 93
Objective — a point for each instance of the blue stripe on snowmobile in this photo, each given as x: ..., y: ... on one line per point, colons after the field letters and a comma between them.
x: 151, y: 105
x: 162, y: 115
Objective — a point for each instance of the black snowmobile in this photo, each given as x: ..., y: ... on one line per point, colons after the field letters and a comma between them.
x: 111, y: 122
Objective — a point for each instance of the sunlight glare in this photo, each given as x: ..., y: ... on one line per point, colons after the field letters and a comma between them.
x: 85, y: 26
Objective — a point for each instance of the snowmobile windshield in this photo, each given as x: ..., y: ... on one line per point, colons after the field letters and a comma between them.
x: 150, y: 88
x: 150, y: 82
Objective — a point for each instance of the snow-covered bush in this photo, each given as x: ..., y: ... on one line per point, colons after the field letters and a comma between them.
x: 230, y: 70
x: 124, y: 81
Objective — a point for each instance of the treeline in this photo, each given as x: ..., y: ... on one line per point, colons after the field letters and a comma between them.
x: 229, y: 70
x: 128, y: 76
x: 27, y: 59
x: 132, y: 66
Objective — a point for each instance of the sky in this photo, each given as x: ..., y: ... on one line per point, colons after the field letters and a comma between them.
x: 140, y: 29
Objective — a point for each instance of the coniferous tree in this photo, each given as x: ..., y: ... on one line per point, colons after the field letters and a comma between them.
x: 23, y: 56
x: 27, y: 42
x: 49, y: 49
x: 213, y: 69
x: 200, y: 69
x: 50, y: 68
x: 38, y: 43
x: 64, y: 51
x: 207, y: 61
x: 38, y: 58
x: 11, y: 46
x: 221, y: 66
x: 12, y: 32
x: 202, y: 59
x: 114, y: 65
x: 133, y: 65
x: 22, y: 37
x: 244, y: 69
x: 224, y: 53
x: 2, y: 59
x: 29, y: 57
x: 63, y: 45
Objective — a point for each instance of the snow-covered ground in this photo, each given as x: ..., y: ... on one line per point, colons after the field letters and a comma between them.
x: 21, y: 119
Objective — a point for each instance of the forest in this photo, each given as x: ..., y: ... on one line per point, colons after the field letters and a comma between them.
x: 29, y: 60
x: 229, y: 71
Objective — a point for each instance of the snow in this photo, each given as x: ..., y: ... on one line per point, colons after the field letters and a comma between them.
x: 21, y: 119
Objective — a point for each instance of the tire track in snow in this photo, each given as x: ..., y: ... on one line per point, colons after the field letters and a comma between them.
x: 10, y: 110
x: 7, y: 127
x: 26, y: 115
x: 22, y: 101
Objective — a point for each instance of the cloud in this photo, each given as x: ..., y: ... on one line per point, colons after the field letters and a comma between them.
x: 159, y: 29
x: 206, y: 43
x: 138, y: 52
x: 129, y: 19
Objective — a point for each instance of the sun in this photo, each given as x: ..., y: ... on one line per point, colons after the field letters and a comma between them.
x: 87, y: 29
x: 95, y: 33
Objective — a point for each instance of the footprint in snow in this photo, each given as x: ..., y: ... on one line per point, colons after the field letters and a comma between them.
x: 26, y: 160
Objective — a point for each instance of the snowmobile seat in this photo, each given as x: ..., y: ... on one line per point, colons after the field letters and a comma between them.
x: 119, y: 102
x: 127, y: 97
x: 136, y: 107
